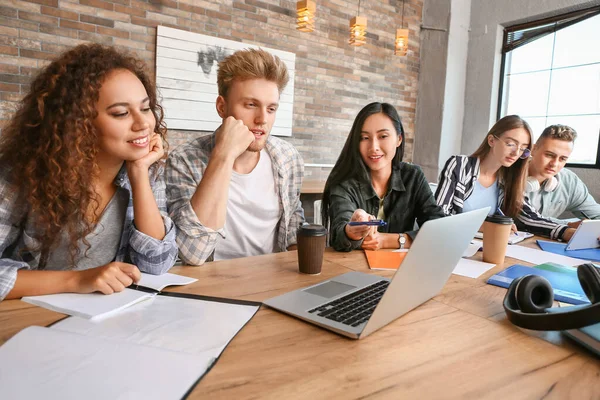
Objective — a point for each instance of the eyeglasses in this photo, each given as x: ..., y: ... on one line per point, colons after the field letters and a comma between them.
x: 524, y: 151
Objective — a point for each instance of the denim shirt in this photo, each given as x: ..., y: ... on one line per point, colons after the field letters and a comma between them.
x: 408, y: 198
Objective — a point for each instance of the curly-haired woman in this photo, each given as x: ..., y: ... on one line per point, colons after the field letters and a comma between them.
x: 82, y: 200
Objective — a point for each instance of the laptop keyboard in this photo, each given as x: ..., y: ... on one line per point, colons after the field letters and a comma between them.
x: 354, y: 308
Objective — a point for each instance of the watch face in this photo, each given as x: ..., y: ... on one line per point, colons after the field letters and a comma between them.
x: 402, y: 239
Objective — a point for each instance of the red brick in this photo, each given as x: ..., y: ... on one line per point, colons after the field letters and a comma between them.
x: 11, y: 51
x: 150, y: 37
x: 218, y: 15
x: 17, y: 23
x: 27, y: 71
x: 8, y: 12
x: 144, y: 22
x: 131, y: 11
x: 98, y: 4
x: 51, y: 3
x: 96, y: 21
x: 112, y: 32
x: 43, y: 19
x: 55, y: 12
x: 58, y: 31
x: 36, y: 54
x: 77, y: 25
x: 9, y: 87
x: 256, y: 17
x: 92, y: 37
x: 54, y: 48
x: 9, y: 96
x: 168, y: 4
x: 241, y: 6
x: 193, y: 9
x: 9, y: 69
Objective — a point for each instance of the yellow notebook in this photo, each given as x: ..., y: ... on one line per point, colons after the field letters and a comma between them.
x: 386, y: 260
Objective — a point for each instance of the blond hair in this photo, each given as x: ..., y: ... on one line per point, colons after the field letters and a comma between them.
x: 251, y: 64
x: 560, y: 132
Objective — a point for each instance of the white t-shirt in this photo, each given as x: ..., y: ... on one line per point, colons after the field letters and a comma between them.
x: 253, y: 211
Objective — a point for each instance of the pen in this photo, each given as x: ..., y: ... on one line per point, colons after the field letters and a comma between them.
x: 499, y: 211
x: 585, y: 215
x: 373, y: 222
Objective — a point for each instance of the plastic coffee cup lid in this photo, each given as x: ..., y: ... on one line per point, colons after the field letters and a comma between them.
x: 312, y: 230
x: 499, y: 219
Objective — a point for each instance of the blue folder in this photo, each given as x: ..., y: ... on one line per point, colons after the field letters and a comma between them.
x: 560, y: 248
x: 565, y: 285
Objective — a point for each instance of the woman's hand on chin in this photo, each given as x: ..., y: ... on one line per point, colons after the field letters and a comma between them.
x: 156, y: 152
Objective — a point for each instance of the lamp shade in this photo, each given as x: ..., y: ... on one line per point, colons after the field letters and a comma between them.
x: 401, y: 48
x: 358, y: 31
x: 305, y: 11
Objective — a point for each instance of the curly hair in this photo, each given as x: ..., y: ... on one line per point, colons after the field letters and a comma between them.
x: 50, y: 145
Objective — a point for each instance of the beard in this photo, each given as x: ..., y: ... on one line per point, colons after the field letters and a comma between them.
x: 257, y: 145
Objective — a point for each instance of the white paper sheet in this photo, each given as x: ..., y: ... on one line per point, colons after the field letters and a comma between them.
x: 90, y: 305
x: 472, y: 268
x: 159, y: 282
x: 40, y: 363
x: 472, y: 249
x: 174, y: 323
x: 539, y: 256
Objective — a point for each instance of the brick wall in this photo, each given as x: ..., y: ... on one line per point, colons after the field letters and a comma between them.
x: 333, y: 79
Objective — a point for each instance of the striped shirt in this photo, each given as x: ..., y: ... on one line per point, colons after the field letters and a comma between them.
x: 185, y: 168
x: 18, y: 241
x: 456, y: 185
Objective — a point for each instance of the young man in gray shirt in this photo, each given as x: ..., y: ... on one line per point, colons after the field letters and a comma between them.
x: 551, y: 189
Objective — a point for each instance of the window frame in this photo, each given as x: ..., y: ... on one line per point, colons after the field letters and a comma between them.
x: 568, y: 19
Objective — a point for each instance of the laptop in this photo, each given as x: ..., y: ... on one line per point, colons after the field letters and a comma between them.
x: 356, y: 304
x: 586, y: 236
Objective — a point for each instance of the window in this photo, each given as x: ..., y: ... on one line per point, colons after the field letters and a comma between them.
x: 551, y: 75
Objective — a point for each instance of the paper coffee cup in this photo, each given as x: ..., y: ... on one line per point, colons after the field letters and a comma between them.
x: 311, y: 246
x: 496, y: 231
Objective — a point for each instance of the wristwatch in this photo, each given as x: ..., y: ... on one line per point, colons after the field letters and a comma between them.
x: 402, y: 240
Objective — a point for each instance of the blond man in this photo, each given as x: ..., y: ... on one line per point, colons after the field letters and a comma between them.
x: 551, y: 189
x: 236, y: 193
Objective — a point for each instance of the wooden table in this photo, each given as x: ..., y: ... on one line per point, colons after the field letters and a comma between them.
x: 457, y: 345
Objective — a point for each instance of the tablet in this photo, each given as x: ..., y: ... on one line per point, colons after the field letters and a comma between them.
x: 586, y: 236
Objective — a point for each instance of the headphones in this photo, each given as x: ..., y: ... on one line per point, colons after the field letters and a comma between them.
x: 529, y: 300
x: 549, y: 185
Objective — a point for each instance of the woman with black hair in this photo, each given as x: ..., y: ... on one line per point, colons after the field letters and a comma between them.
x: 370, y: 181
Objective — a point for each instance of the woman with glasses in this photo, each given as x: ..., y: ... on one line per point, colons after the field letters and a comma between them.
x: 495, y: 175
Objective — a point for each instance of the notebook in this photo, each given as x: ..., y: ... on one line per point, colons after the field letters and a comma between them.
x: 561, y: 248
x: 385, y: 260
x: 512, y: 238
x: 98, y: 306
x: 588, y: 337
x: 152, y: 350
x: 565, y: 285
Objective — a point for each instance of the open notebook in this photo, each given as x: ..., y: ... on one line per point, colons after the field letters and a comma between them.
x: 156, y: 349
x: 97, y: 306
x: 512, y: 238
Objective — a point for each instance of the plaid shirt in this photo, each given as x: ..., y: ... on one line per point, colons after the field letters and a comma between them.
x: 18, y: 243
x: 185, y: 168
